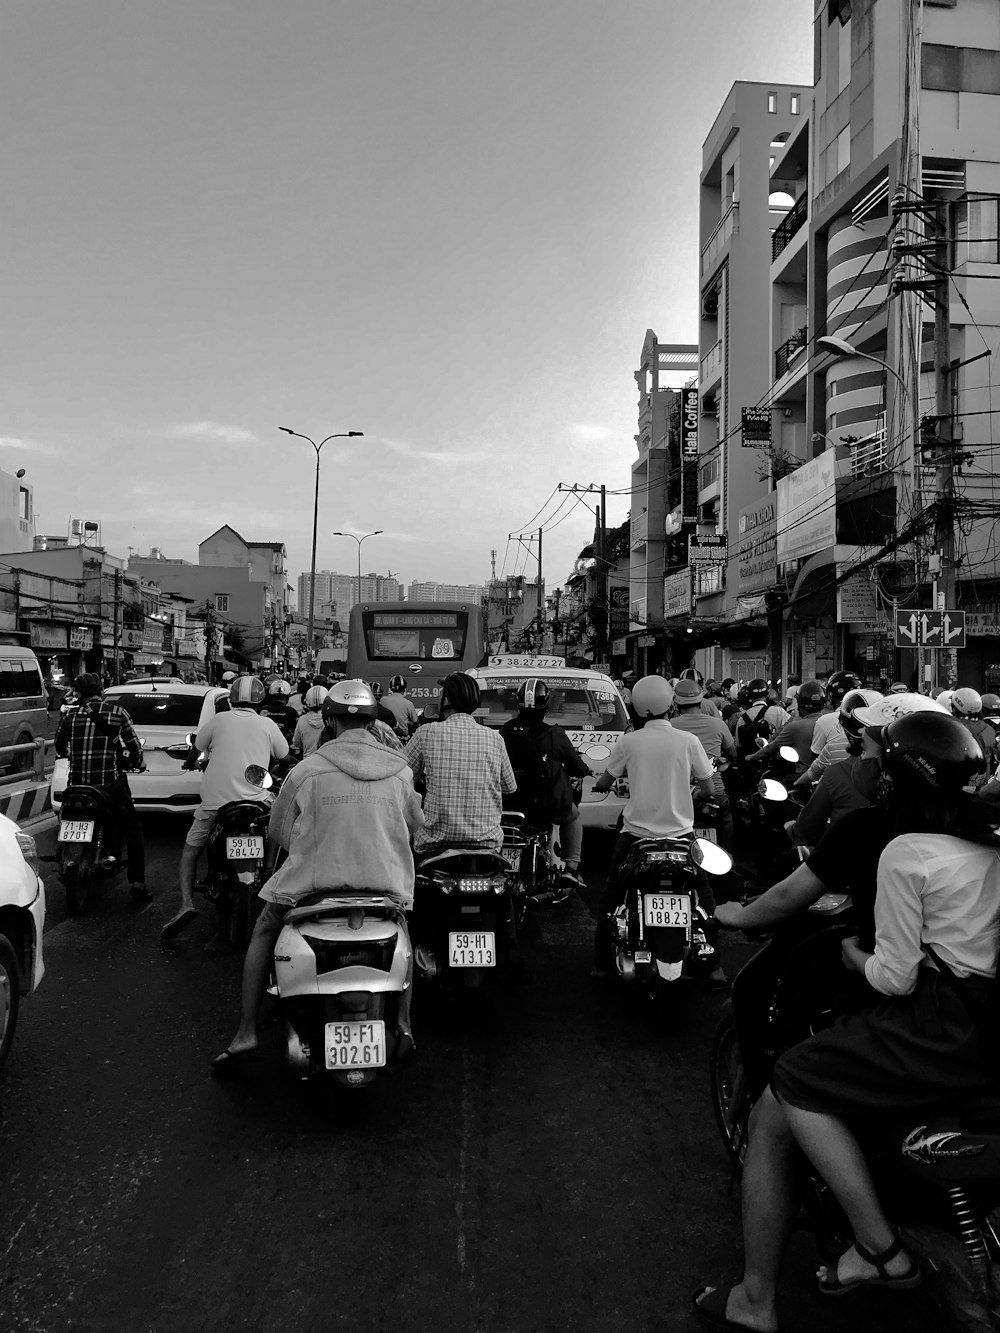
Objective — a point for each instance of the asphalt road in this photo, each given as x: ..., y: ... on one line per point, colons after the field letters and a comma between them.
x: 548, y: 1161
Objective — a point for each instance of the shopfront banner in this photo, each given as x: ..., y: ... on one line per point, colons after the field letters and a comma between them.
x: 756, y: 560
x: 807, y: 509
x: 677, y: 594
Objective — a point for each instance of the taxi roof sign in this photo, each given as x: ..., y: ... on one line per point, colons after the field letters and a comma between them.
x: 526, y: 660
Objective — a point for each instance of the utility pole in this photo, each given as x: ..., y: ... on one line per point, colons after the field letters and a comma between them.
x: 209, y: 639
x: 944, y: 453
x: 541, y: 604
x: 116, y: 621
x: 602, y: 639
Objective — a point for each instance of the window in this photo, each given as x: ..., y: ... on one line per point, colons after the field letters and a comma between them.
x: 796, y: 101
x: 844, y: 54
x: 222, y: 601
x: 772, y: 104
x: 960, y: 69
x: 24, y: 504
x: 160, y: 708
x: 976, y: 231
x: 843, y: 154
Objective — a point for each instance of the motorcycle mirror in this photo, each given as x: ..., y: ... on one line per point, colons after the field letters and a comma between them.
x: 142, y: 742
x: 789, y: 754
x: 710, y: 857
x: 258, y: 777
x: 772, y: 790
x: 191, y: 737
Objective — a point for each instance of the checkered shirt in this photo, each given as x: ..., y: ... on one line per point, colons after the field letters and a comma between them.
x: 467, y: 772
x: 96, y: 748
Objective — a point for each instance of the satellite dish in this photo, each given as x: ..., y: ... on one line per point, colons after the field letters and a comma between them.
x: 20, y: 472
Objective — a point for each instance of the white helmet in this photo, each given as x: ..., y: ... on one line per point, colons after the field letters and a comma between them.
x: 652, y: 696
x: 945, y: 698
x: 967, y: 702
x: 279, y: 687
x: 315, y: 695
x: 895, y: 706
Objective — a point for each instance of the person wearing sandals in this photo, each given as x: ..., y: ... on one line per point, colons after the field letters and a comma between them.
x: 916, y: 1050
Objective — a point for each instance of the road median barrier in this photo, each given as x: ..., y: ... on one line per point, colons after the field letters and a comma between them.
x: 31, y: 801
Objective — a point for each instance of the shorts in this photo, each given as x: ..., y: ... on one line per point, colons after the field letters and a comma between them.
x: 272, y: 916
x: 201, y: 827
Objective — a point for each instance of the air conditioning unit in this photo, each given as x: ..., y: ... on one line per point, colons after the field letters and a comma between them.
x: 709, y: 406
x: 710, y: 305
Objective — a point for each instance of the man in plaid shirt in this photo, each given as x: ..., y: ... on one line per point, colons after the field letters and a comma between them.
x: 99, y: 741
x: 466, y: 771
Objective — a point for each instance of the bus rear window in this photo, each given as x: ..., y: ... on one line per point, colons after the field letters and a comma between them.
x: 160, y: 708
x: 417, y: 636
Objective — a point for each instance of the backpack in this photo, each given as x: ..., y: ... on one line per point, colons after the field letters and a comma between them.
x: 753, y: 726
x: 544, y: 791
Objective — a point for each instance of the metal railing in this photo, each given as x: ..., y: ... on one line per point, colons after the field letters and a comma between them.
x: 719, y: 239
x: 711, y: 361
x: 789, y: 350
x: 792, y: 222
x: 868, y: 454
x: 37, y: 749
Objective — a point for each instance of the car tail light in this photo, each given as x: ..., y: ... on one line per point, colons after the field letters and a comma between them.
x: 28, y: 850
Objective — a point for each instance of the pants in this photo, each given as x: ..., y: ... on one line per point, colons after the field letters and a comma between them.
x: 131, y: 829
x: 613, y: 895
x: 571, y: 838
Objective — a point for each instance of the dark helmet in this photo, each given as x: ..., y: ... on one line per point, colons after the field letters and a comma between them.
x: 377, y: 690
x: 397, y: 685
x: 810, y: 697
x: 461, y: 691
x: 350, y: 698
x: 932, y: 750
x: 839, y: 683
x: 991, y: 705
x: 246, y: 692
x: 851, y: 702
x: 757, y: 688
x: 534, y: 694
x: 692, y: 673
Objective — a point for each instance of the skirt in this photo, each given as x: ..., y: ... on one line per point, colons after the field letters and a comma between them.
x: 909, y: 1054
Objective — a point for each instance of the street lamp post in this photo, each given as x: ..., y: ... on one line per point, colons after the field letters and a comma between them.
x: 340, y: 435
x: 359, y: 540
x: 840, y: 347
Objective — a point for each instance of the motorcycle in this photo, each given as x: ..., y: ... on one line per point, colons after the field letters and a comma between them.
x: 89, y: 843
x: 940, y: 1178
x: 659, y: 929
x: 773, y: 802
x: 465, y: 918
x: 236, y: 861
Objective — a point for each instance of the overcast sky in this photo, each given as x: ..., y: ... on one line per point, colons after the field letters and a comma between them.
x: 445, y: 223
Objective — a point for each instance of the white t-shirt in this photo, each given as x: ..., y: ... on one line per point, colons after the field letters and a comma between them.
x: 234, y: 741
x: 660, y: 762
x: 938, y: 890
x: 827, y: 724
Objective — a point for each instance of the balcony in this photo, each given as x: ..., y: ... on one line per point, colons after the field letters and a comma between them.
x: 715, y: 247
x: 638, y: 530
x: 869, y: 454
x: 793, y: 221
x: 711, y: 365
x: 789, y: 350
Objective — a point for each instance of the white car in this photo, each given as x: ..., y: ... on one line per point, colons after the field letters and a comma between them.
x: 22, y: 921
x: 584, y: 703
x: 164, y: 712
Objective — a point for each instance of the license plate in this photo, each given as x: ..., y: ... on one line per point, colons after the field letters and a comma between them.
x: 355, y: 1045
x: 512, y: 855
x: 472, y: 948
x: 76, y: 830
x: 709, y: 834
x: 666, y: 909
x: 245, y: 849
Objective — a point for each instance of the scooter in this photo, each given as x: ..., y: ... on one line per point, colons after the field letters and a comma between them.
x: 940, y: 1178
x: 236, y: 861
x: 659, y: 929
x: 88, y: 845
x: 465, y: 922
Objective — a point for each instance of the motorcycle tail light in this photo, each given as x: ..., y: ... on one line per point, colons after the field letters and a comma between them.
x: 481, y: 883
x: 677, y: 857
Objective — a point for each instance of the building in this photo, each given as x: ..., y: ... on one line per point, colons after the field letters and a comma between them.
x: 337, y: 593
x: 515, y: 614
x: 446, y: 592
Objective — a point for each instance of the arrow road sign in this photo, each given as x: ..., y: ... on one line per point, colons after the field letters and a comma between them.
x: 930, y: 629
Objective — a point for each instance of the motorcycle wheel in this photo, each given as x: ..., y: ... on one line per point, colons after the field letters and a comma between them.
x: 10, y: 996
x: 730, y: 1095
x: 239, y: 919
x: 78, y: 876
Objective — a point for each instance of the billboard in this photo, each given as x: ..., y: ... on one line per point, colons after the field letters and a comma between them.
x: 756, y: 547
x: 807, y: 509
x: 689, y: 454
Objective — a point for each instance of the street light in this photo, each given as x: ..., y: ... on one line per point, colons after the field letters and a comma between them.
x: 340, y: 435
x: 840, y: 347
x: 359, y: 540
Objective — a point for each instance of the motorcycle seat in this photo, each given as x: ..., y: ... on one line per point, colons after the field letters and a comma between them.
x: 88, y: 796
x: 331, y: 901
x: 445, y: 860
x: 241, y: 809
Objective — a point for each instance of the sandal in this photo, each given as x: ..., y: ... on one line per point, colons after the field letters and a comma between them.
x: 831, y: 1285
x: 709, y: 1305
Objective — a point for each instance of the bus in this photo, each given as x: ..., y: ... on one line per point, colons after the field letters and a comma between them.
x: 421, y: 641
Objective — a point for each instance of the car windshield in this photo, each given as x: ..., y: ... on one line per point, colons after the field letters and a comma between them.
x: 590, y: 705
x: 160, y: 708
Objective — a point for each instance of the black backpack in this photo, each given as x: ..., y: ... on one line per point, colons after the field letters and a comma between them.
x: 544, y: 791
x: 753, y: 727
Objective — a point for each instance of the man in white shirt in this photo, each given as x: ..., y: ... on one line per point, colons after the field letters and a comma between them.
x: 660, y: 763
x: 233, y: 741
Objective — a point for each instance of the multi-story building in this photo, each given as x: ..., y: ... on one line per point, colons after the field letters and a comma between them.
x: 337, y: 593
x: 445, y: 592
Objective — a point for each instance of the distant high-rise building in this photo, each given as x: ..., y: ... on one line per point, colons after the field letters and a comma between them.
x: 445, y: 592
x: 339, y: 592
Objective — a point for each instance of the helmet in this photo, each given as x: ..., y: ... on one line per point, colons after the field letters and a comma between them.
x: 397, y: 685
x: 757, y: 688
x: 228, y: 677
x: 278, y: 687
x: 461, y: 691
x: 652, y: 696
x: 376, y: 690
x: 851, y: 702
x: 839, y: 683
x: 534, y: 694
x: 687, y: 693
x: 893, y: 707
x: 314, y: 696
x: 247, y: 690
x: 967, y: 702
x: 810, y: 697
x: 935, y: 750
x: 897, y: 687
x: 991, y: 704
x: 944, y: 699
x: 692, y: 673
x: 349, y: 698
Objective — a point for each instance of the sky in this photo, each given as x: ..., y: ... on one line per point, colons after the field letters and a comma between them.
x: 445, y: 223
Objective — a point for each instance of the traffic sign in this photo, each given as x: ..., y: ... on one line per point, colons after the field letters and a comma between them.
x: 930, y: 629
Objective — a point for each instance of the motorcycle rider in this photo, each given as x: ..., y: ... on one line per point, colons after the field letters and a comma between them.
x: 309, y: 728
x: 466, y: 773
x: 661, y: 762
x: 797, y: 731
x: 400, y: 707
x: 917, y: 1049
x: 233, y: 741
x: 967, y: 706
x: 717, y: 742
x: 757, y: 719
x: 345, y: 816
x: 846, y: 785
x: 829, y: 744
x: 544, y: 760
x: 275, y: 706
x: 98, y: 739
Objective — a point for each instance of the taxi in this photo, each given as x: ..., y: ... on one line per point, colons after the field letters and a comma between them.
x: 583, y: 702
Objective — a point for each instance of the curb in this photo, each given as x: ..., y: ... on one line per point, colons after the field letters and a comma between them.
x: 26, y: 802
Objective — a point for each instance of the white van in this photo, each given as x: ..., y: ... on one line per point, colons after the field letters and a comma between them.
x: 23, y: 704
